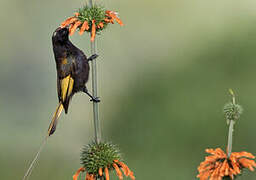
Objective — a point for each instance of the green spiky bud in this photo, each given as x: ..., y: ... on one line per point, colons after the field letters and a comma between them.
x: 95, y: 156
x: 97, y: 13
x: 232, y: 111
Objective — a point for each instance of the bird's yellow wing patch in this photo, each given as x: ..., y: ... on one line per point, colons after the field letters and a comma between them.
x: 64, y: 61
x: 66, y: 87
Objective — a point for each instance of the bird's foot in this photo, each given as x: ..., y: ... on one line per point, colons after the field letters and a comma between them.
x: 95, y: 99
x: 92, y: 57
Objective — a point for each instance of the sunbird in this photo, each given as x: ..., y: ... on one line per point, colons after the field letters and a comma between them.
x: 72, y: 74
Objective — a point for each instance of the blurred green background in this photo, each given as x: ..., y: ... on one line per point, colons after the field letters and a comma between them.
x: 163, y: 80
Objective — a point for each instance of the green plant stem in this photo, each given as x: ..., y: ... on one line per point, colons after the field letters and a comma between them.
x: 230, y: 137
x: 231, y: 127
x: 97, y: 129
x: 95, y: 94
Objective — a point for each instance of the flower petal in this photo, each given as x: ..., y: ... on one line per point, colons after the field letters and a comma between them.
x: 119, y: 21
x: 106, y: 173
x: 247, y: 163
x: 243, y: 154
x: 84, y: 27
x: 131, y: 175
x: 68, y: 21
x: 118, y: 172
x: 75, y: 176
x: 93, y: 33
x: 87, y: 177
x: 100, y: 172
x: 125, y: 168
x: 101, y: 24
x: 74, y: 27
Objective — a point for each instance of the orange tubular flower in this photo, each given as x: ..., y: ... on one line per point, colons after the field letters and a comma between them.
x: 81, y: 20
x: 76, y: 14
x: 72, y: 29
x: 218, y: 165
x: 69, y: 21
x: 125, y: 169
x: 106, y: 173
x: 101, y: 25
x: 116, y: 165
x: 100, y: 172
x: 93, y: 33
x: 82, y: 169
x: 84, y: 27
x: 118, y: 172
x: 113, y: 16
x: 87, y: 176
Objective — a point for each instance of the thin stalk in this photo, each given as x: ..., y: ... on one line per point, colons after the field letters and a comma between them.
x: 231, y: 126
x: 97, y: 129
x: 95, y: 94
x: 230, y: 137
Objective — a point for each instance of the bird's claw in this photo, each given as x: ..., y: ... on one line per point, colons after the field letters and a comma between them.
x: 92, y: 57
x: 95, y: 99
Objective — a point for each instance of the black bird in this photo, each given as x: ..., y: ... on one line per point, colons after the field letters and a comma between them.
x: 72, y: 72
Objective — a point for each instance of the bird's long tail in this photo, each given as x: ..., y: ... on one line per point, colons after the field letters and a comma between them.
x: 51, y: 130
x: 55, y: 118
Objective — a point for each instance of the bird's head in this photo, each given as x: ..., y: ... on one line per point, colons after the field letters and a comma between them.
x: 60, y: 35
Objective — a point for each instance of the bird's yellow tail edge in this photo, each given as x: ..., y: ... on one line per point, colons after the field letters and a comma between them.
x: 55, y: 118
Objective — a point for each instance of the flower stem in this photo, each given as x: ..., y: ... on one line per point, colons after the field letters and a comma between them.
x: 230, y: 136
x: 95, y: 94
x: 97, y: 129
x: 231, y: 126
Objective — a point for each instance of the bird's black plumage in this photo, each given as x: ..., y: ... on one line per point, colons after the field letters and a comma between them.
x: 72, y: 71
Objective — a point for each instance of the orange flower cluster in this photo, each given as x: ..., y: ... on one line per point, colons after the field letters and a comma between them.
x: 218, y: 165
x: 116, y: 164
x: 74, y: 23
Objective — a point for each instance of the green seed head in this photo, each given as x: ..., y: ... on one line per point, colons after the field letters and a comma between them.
x: 96, y: 13
x: 95, y: 156
x: 232, y: 111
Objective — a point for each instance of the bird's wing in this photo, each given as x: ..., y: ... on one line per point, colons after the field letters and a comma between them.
x: 65, y: 84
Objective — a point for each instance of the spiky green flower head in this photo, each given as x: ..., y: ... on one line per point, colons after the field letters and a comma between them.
x: 96, y: 13
x: 91, y: 19
x: 232, y: 111
x: 95, y: 156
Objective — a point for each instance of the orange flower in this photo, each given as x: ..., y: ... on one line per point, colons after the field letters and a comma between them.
x: 93, y: 33
x: 82, y: 169
x: 84, y: 27
x: 125, y: 169
x: 76, y: 14
x: 100, y: 25
x: 118, y: 172
x: 75, y: 22
x: 68, y: 21
x: 100, y: 172
x: 116, y: 165
x: 106, y: 173
x: 218, y: 165
x: 113, y: 16
x: 72, y: 29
